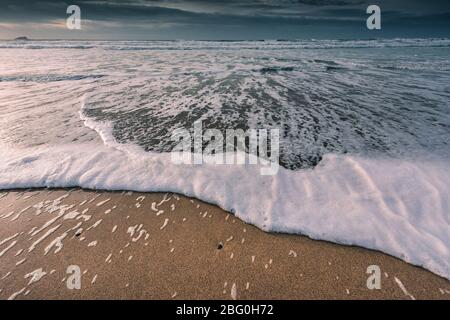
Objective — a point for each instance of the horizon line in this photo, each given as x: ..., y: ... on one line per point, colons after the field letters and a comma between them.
x: 218, y: 40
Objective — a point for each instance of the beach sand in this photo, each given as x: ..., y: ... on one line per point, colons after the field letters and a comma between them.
x: 131, y: 245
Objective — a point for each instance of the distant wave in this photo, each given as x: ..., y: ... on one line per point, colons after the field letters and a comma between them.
x: 27, y: 46
x: 47, y: 78
x: 226, y: 45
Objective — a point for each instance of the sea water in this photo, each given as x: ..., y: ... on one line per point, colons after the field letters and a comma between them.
x: 364, y: 130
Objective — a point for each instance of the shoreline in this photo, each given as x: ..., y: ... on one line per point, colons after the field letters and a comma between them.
x: 131, y: 245
x: 345, y: 199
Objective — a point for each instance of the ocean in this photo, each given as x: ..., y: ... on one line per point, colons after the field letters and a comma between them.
x: 364, y: 130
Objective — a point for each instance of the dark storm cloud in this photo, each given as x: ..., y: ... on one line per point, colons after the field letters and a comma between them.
x: 257, y: 18
x: 185, y: 11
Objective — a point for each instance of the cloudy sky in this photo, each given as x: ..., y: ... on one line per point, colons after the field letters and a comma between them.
x: 223, y: 19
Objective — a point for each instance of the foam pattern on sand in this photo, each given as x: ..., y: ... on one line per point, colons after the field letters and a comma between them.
x: 399, y: 207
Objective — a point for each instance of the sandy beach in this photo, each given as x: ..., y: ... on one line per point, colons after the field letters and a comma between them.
x: 131, y: 245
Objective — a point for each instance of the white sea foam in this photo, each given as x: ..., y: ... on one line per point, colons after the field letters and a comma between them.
x: 399, y: 207
x: 353, y: 110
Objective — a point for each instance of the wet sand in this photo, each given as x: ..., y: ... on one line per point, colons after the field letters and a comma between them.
x: 131, y: 245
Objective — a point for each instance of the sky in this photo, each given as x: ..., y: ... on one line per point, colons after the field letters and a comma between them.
x: 223, y: 19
